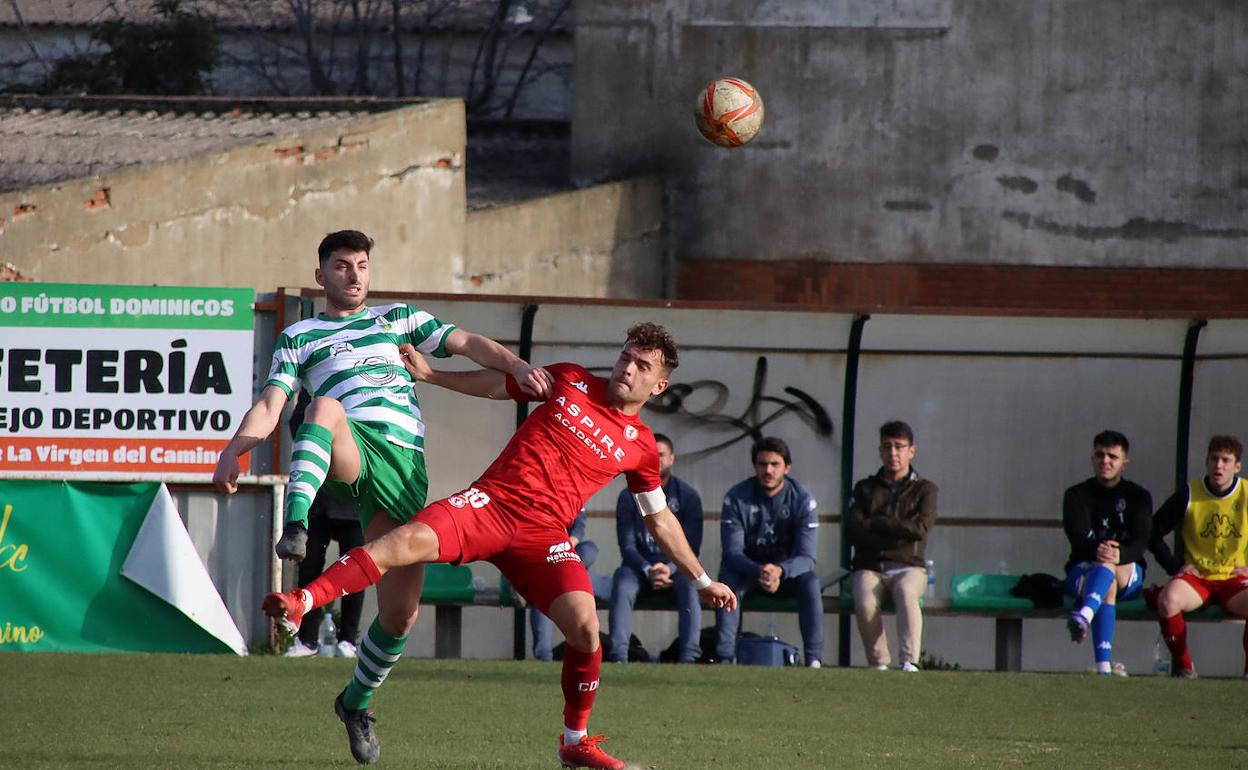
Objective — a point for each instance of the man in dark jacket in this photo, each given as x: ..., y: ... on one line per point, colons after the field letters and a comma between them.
x: 769, y: 530
x: 889, y: 516
x: 1107, y: 521
x: 647, y: 569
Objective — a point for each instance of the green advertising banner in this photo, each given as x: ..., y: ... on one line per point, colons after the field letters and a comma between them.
x: 103, y: 567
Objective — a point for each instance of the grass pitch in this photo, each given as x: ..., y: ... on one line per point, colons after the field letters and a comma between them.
x: 69, y: 711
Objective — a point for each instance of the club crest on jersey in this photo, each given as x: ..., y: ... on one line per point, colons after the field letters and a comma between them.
x: 560, y: 552
x: 1121, y: 505
x: 341, y: 348
x: 630, y: 433
x: 457, y: 501
x: 376, y: 370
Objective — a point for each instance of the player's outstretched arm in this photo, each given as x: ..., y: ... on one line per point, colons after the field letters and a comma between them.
x: 533, y: 380
x: 482, y: 383
x: 665, y: 528
x: 256, y: 426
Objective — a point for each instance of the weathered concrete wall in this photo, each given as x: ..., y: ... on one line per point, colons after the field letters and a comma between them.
x: 253, y: 216
x: 970, y: 131
x: 602, y: 241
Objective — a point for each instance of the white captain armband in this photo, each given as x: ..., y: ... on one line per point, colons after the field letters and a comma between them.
x: 650, y: 503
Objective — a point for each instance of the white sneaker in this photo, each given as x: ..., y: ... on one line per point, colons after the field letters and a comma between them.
x: 881, y: 667
x: 814, y: 664
x: 346, y: 649
x: 909, y: 668
x: 298, y: 649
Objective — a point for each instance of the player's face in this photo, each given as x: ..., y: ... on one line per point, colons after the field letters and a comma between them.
x: 770, y: 469
x: 1108, y: 463
x: 637, y: 376
x: 1222, y: 468
x: 666, y: 458
x: 896, y: 454
x: 345, y: 278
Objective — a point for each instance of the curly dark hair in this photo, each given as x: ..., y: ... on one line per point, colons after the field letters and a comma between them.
x: 1230, y: 444
x: 651, y: 336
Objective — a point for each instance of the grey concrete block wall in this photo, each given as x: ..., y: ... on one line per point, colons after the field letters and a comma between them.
x: 964, y: 131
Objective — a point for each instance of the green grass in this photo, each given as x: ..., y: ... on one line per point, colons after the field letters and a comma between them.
x: 64, y: 711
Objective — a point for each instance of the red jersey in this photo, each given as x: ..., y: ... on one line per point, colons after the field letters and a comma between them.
x: 569, y: 448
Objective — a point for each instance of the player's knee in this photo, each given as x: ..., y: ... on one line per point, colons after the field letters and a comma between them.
x: 1168, y: 603
x: 583, y: 635
x: 322, y: 410
x: 397, y: 622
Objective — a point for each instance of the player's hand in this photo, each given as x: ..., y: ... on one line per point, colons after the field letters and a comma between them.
x: 1240, y: 571
x: 719, y: 595
x: 769, y: 577
x: 415, y: 363
x: 1107, y: 552
x: 1188, y: 569
x: 225, y: 476
x: 534, y: 380
x: 660, y: 576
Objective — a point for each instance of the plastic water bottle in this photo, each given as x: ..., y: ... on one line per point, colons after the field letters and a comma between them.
x: 771, y: 631
x: 931, y: 579
x: 1003, y: 568
x: 1161, y: 658
x: 326, y: 637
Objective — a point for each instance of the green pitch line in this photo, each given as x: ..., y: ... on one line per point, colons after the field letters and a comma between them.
x: 126, y: 711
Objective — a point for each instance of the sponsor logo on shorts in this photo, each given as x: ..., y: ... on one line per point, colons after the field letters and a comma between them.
x: 562, y: 552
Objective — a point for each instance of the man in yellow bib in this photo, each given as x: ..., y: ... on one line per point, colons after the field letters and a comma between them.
x: 1213, y: 514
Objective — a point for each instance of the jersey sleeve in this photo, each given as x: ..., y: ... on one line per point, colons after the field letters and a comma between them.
x: 645, y: 477
x: 284, y: 373
x: 425, y: 332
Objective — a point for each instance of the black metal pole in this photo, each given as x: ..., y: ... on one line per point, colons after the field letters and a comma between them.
x: 522, y: 413
x: 849, y: 407
x: 1187, y: 374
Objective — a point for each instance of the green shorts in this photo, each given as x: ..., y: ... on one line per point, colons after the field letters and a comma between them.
x: 392, y: 478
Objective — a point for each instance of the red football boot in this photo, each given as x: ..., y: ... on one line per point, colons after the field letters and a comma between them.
x: 286, y: 609
x: 587, y: 754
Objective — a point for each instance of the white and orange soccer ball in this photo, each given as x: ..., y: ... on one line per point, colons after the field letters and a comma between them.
x: 729, y: 112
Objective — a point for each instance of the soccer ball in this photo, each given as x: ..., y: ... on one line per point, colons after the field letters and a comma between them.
x: 729, y: 112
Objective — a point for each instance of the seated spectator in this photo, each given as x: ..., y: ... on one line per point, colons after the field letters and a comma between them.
x: 1211, y: 514
x: 646, y: 569
x: 539, y: 623
x: 889, y: 517
x: 769, y: 529
x: 1107, y: 521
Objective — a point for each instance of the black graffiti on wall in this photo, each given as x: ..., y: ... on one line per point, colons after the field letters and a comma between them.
x: 702, y: 403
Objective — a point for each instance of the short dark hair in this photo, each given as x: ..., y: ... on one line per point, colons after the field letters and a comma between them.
x: 651, y: 336
x: 350, y: 240
x: 1108, y: 438
x: 1223, y: 443
x: 661, y: 438
x: 770, y: 444
x: 896, y: 429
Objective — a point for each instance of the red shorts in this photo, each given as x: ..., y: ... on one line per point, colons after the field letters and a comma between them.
x: 536, y: 557
x: 1222, y: 591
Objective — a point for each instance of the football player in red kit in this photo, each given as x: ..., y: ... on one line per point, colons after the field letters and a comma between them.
x: 516, y: 515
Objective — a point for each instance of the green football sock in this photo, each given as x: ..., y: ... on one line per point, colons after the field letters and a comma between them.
x: 309, y: 465
x: 376, y: 655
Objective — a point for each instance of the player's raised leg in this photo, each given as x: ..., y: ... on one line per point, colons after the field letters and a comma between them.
x: 576, y: 615
x: 324, y: 447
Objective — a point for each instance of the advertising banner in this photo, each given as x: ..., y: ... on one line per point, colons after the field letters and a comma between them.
x: 125, y: 381
x: 104, y: 566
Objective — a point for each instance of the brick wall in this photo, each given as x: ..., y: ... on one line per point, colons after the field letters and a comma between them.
x: 1199, y: 292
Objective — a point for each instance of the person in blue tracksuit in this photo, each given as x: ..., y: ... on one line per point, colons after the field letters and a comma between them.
x: 770, y: 530
x: 646, y: 568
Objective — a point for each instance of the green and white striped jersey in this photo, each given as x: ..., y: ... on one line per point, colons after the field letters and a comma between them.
x: 355, y: 360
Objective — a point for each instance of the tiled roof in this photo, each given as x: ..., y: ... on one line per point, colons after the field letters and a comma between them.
x: 46, y: 140
x: 236, y: 14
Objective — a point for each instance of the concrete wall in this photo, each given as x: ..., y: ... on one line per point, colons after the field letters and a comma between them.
x: 968, y: 131
x: 602, y: 241
x: 253, y: 216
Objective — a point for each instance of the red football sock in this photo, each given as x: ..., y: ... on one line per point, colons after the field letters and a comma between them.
x: 580, y: 685
x: 350, y: 574
x: 1174, y: 632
